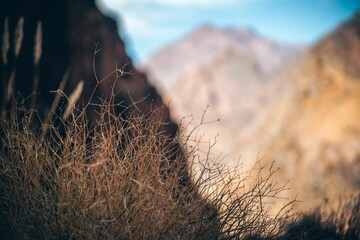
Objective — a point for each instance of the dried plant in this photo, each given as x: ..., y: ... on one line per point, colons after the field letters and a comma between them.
x: 105, y: 183
x: 4, y: 50
x: 19, y: 34
x: 37, y: 56
x: 38, y: 44
x: 49, y: 115
x: 113, y: 180
x: 74, y: 97
x: 5, y: 41
x: 342, y: 222
x: 10, y: 87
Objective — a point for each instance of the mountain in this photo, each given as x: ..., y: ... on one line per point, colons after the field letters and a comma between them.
x: 169, y: 63
x: 299, y: 107
x: 227, y: 69
x: 314, y: 132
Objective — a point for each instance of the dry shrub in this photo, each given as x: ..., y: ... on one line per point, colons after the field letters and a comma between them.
x: 347, y: 218
x: 67, y: 179
x: 109, y: 186
x: 114, y: 181
x: 342, y: 222
x: 250, y: 202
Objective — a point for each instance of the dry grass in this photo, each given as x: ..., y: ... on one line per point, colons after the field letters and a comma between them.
x: 66, y: 187
x: 115, y: 180
x: 342, y: 222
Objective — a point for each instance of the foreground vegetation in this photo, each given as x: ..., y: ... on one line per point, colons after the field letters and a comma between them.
x: 63, y: 178
x: 112, y: 181
x: 109, y: 185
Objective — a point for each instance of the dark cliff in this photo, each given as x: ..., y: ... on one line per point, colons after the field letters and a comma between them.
x: 71, y: 30
x: 77, y: 38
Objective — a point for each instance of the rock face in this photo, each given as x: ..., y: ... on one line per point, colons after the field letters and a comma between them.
x: 315, y: 128
x: 169, y: 63
x: 71, y: 31
x: 304, y: 115
x: 227, y: 69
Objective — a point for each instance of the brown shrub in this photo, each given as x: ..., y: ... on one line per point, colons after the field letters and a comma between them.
x: 122, y: 178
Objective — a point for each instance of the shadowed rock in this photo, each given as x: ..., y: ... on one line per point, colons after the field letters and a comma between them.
x: 76, y: 36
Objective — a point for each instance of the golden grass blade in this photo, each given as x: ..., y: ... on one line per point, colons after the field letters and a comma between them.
x: 10, y: 87
x: 74, y: 97
x: 57, y: 98
x: 19, y: 35
x: 5, y: 42
x: 5, y: 49
x: 38, y: 44
x: 37, y: 56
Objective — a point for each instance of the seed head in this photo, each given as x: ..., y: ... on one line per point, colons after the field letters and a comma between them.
x: 38, y: 44
x: 74, y: 97
x: 5, y: 42
x: 19, y: 34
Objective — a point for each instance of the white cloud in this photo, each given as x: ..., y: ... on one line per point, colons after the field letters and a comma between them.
x: 171, y: 3
x: 143, y: 26
x: 204, y: 3
x: 151, y: 23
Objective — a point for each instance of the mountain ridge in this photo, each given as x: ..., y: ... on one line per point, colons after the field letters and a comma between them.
x: 165, y: 66
x: 304, y: 114
x: 318, y: 136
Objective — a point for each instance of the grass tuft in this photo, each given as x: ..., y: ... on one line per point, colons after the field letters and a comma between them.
x: 123, y: 178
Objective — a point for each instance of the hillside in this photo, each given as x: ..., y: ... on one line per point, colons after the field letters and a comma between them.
x: 317, y: 138
x: 168, y: 64
x: 227, y: 69
x: 298, y: 108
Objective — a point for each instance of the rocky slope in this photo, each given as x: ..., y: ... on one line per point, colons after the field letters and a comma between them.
x: 301, y: 110
x: 227, y: 69
x: 314, y: 133
x: 168, y: 64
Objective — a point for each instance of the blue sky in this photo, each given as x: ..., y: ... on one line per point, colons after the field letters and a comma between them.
x: 148, y: 25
